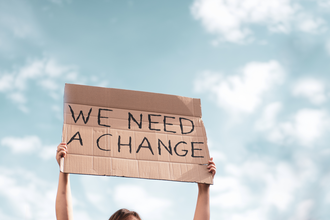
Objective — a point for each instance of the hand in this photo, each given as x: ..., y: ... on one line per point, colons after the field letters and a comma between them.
x: 212, y: 169
x: 61, y: 152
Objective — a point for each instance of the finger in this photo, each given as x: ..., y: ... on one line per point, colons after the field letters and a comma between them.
x: 61, y: 154
x: 62, y: 148
x: 62, y: 145
x: 61, y: 151
x: 212, y: 169
x: 213, y: 172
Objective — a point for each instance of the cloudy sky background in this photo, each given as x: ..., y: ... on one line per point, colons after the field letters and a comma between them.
x: 261, y: 69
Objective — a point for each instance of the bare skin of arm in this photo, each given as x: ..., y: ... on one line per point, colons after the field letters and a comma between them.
x: 202, y: 211
x: 63, y: 204
x: 64, y: 209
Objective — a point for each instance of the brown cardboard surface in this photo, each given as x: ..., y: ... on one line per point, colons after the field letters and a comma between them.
x: 127, y: 133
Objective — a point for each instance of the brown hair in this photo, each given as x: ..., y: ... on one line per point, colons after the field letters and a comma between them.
x: 122, y: 214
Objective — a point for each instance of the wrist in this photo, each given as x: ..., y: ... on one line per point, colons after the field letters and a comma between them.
x: 64, y: 176
x: 202, y: 187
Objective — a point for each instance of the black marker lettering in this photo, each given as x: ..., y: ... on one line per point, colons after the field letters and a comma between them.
x: 186, y: 151
x: 130, y: 116
x: 98, y: 140
x: 82, y: 115
x: 169, y: 149
x: 168, y: 123
x: 129, y: 144
x: 193, y: 149
x: 154, y: 122
x: 73, y: 138
x: 99, y: 116
x: 181, y: 125
x: 141, y: 145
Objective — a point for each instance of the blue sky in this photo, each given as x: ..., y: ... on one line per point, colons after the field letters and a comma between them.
x: 261, y: 69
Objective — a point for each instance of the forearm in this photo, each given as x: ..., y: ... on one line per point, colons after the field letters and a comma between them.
x: 202, y: 211
x: 63, y: 198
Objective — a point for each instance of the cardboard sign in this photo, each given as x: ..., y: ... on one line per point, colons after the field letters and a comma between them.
x: 126, y: 133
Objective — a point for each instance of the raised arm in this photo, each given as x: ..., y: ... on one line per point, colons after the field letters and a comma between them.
x: 63, y: 204
x: 202, y: 211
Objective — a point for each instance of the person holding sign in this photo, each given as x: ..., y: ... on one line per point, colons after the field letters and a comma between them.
x: 63, y: 204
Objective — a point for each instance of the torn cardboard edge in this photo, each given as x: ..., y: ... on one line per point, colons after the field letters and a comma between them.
x: 132, y: 100
x: 100, y: 162
x: 136, y: 169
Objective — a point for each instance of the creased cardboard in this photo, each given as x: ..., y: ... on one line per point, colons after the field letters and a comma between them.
x: 116, y: 132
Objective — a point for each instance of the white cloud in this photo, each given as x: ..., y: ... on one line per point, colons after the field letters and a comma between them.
x: 6, y: 82
x: 312, y: 89
x: 29, y: 145
x: 18, y: 97
x: 98, y: 192
x: 253, y: 214
x: 58, y: 2
x: 17, y: 22
x: 231, y: 20
x: 230, y: 192
x: 95, y: 198
x: 82, y: 215
x: 310, y: 24
x: 242, y: 92
x: 269, y: 116
x: 325, y: 183
x: 327, y: 46
x: 303, y: 210
x: 47, y: 152
x: 254, y: 189
x: 310, y: 124
x: 137, y: 198
x: 45, y: 73
x: 304, y: 127
x: 22, y: 145
x: 49, y: 84
x: 53, y: 69
x: 4, y: 216
x: 279, y: 182
x: 29, y: 196
x: 281, y: 186
x: 324, y: 3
